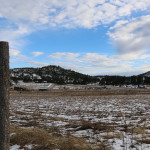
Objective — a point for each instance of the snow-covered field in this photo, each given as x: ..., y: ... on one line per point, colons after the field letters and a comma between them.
x: 49, y: 86
x: 120, y: 121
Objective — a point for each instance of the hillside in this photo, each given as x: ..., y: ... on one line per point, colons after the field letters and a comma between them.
x: 53, y: 74
x: 59, y: 75
x: 141, y: 79
x: 146, y: 74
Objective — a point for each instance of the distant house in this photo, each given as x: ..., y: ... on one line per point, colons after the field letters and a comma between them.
x: 43, y: 89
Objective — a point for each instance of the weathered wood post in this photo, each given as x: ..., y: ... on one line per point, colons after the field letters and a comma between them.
x: 4, y: 95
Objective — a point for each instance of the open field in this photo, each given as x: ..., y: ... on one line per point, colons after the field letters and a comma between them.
x: 83, y: 92
x: 80, y: 120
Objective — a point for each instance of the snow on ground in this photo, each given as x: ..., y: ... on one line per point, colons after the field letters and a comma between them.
x: 15, y: 147
x: 35, y: 86
x: 123, y: 121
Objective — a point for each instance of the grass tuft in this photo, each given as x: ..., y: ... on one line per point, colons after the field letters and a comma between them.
x: 44, y: 141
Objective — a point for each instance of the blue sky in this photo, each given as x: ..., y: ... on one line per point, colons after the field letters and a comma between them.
x: 95, y: 37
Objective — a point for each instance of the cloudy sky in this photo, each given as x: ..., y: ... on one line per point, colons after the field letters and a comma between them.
x: 94, y: 37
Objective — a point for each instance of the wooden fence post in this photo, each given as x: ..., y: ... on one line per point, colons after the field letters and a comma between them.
x: 4, y: 95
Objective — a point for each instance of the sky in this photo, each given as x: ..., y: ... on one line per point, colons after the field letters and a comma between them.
x: 94, y: 37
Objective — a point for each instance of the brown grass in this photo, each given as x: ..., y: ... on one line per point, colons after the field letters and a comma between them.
x: 100, y: 92
x: 97, y: 126
x: 112, y: 136
x: 45, y: 141
x: 146, y: 141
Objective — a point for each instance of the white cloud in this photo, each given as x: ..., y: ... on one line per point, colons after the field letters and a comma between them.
x: 37, y: 64
x: 90, y: 63
x: 70, y: 56
x: 25, y: 17
x: 133, y: 37
x: 99, y: 60
x: 16, y: 56
x: 101, y: 70
x: 83, y: 13
x: 37, y: 53
x: 94, y: 70
x: 14, y: 34
x: 95, y: 63
x: 14, y: 52
x: 119, y: 24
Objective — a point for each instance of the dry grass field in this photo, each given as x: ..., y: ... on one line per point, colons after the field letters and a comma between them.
x: 108, y: 119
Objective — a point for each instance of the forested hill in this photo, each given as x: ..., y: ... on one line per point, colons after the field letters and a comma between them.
x: 142, y: 79
x: 56, y: 74
x: 147, y: 74
x: 53, y: 74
